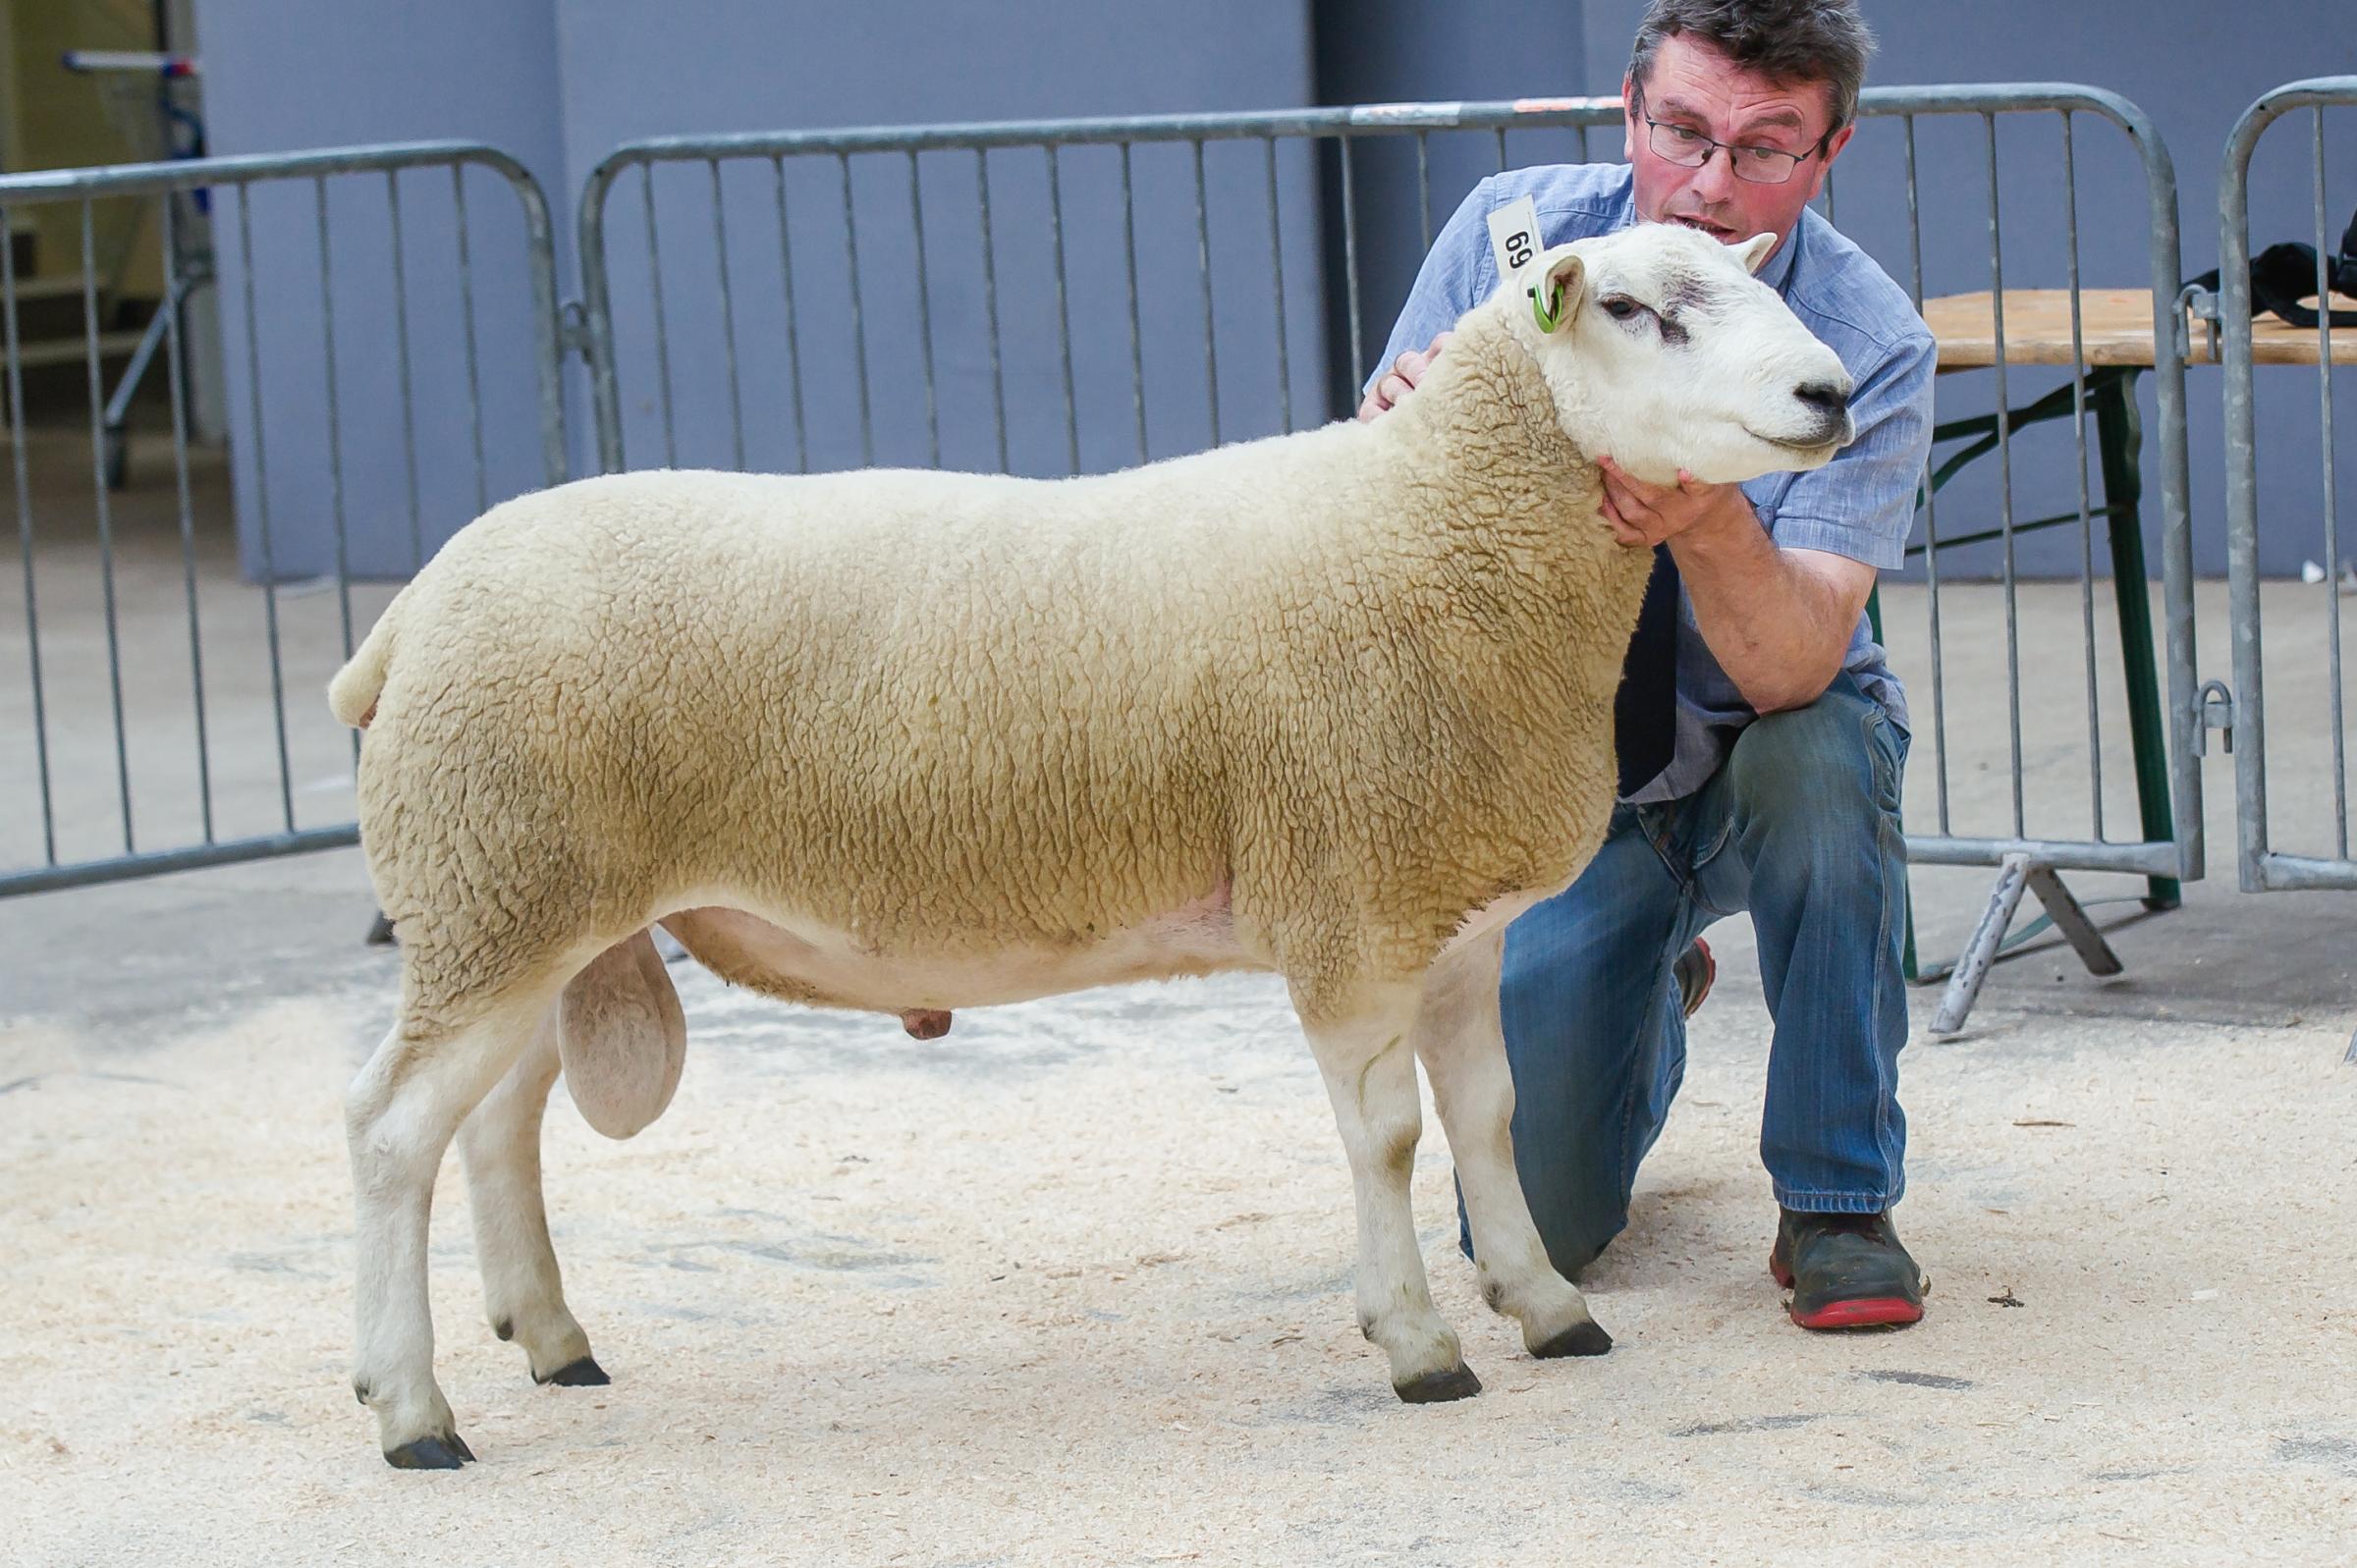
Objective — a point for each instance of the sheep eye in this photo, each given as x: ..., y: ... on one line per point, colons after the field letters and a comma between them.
x: 1621, y: 307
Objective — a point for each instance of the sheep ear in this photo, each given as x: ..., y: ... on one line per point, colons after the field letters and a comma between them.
x: 1556, y: 291
x: 1753, y: 252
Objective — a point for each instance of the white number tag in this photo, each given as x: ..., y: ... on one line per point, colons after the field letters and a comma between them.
x: 1515, y: 235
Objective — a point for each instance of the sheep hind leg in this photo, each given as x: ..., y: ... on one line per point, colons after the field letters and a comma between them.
x: 1363, y: 1052
x: 523, y: 1292
x: 400, y: 1116
x: 1462, y: 1045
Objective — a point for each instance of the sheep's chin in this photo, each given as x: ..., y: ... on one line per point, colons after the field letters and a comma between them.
x: 1811, y: 455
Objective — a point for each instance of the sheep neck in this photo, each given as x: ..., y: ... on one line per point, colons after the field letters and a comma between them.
x: 1510, y: 494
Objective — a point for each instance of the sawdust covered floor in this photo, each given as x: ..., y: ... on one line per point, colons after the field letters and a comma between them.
x: 1072, y: 1285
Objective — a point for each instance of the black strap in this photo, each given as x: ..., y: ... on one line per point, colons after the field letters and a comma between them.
x: 1645, y: 708
x: 2283, y: 275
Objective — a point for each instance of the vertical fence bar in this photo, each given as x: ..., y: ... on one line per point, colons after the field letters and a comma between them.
x: 990, y: 305
x: 2005, y: 472
x: 1064, y: 310
x: 794, y: 337
x: 924, y: 314
x: 2242, y: 508
x: 1502, y: 149
x: 1285, y: 374
x: 173, y: 296
x: 1211, y: 352
x: 2323, y: 392
x: 1358, y: 347
x: 400, y: 349
x: 261, y: 502
x: 106, y: 529
x: 475, y: 367
x: 851, y: 253
x: 1931, y: 507
x: 654, y: 278
x: 335, y: 426
x: 1137, y: 362
x: 727, y: 317
x: 2168, y: 788
x: 32, y: 612
x: 2078, y: 431
x: 1424, y: 189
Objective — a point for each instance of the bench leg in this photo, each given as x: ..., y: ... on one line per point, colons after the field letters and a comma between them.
x: 2121, y: 438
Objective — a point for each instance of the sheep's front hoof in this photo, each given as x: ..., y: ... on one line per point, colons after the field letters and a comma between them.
x: 1436, y: 1387
x: 583, y: 1373
x: 1583, y: 1338
x: 445, y: 1452
x: 925, y: 1023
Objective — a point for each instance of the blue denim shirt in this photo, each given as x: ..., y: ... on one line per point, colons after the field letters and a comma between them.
x: 1861, y: 505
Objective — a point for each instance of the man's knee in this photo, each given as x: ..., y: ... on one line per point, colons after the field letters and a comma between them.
x: 1574, y: 1221
x: 1575, y: 1236
x: 1835, y: 760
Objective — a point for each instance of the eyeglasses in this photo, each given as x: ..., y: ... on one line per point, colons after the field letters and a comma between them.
x: 1689, y: 148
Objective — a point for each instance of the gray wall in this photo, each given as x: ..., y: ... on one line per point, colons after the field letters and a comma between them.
x: 1377, y: 51
x: 280, y: 78
x: 561, y: 81
x: 942, y: 62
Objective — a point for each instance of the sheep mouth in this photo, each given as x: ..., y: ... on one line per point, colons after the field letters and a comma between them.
x: 1823, y: 447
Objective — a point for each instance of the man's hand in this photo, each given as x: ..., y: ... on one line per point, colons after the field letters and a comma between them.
x: 1651, y: 515
x: 1779, y: 622
x: 1401, y: 378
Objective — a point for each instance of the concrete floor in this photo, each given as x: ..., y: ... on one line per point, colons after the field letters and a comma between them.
x: 1072, y: 1284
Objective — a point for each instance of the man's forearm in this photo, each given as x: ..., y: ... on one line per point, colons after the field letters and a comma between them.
x: 1776, y: 628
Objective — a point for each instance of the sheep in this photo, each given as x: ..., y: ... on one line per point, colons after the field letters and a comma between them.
x: 1335, y: 705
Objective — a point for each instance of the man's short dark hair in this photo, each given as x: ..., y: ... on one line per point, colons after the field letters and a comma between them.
x: 1787, y: 41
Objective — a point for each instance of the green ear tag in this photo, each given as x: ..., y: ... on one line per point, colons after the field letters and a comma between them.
x: 1545, y: 312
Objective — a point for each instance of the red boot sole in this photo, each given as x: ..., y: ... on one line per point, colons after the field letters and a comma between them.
x: 1871, y: 1312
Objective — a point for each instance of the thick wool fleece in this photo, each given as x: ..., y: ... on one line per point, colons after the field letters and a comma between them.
x: 1360, y: 677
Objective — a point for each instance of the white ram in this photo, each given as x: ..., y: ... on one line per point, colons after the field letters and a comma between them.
x: 1337, y: 705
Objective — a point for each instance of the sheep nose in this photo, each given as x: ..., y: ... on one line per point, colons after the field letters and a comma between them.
x: 1824, y: 397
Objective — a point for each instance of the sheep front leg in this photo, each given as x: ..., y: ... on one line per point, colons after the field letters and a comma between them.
x: 399, y: 1117
x: 1370, y: 1072
x: 1462, y: 1045
x: 523, y: 1292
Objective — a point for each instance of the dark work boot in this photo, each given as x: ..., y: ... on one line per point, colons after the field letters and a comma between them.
x: 1845, y: 1271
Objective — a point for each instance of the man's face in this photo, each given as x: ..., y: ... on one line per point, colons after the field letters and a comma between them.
x: 1697, y: 88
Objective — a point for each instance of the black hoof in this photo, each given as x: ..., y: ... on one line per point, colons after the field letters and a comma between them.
x: 583, y: 1373
x: 446, y: 1452
x: 1586, y: 1338
x: 1436, y: 1387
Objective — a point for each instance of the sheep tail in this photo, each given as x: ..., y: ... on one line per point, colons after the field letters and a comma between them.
x: 352, y: 693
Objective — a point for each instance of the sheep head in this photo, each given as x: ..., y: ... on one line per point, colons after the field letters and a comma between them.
x: 1662, y: 350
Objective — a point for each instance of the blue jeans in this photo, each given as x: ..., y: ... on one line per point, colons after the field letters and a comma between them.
x: 1800, y: 827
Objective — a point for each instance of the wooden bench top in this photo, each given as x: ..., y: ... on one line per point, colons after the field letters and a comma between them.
x: 2115, y: 328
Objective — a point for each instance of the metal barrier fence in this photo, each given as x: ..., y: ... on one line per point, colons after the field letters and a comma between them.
x: 1246, y: 271
x: 1117, y: 290
x: 136, y: 603
x: 2261, y: 866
